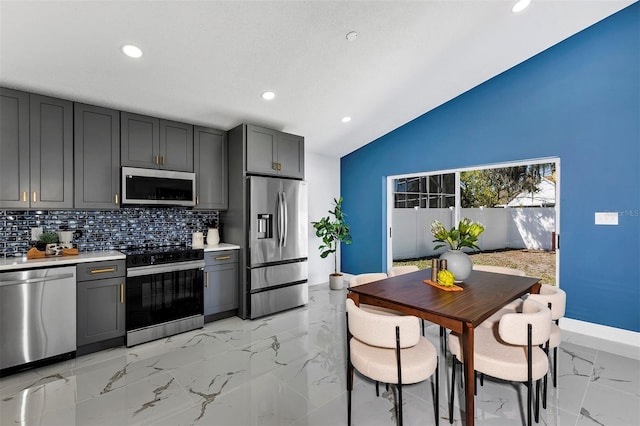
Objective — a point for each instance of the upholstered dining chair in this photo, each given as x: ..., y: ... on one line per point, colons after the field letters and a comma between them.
x: 357, y: 280
x: 389, y: 349
x: 400, y: 270
x: 556, y: 299
x: 511, y: 352
x: 394, y: 271
x: 509, y: 307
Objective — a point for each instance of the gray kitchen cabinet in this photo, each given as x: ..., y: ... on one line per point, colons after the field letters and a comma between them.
x: 220, y: 284
x: 14, y: 146
x: 210, y: 166
x: 96, y: 157
x: 37, y: 160
x: 149, y: 142
x: 100, y: 305
x: 274, y: 153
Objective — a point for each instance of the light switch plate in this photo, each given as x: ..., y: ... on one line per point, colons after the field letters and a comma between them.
x: 606, y: 218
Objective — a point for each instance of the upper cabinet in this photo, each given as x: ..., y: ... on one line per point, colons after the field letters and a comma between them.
x: 210, y: 166
x: 36, y: 142
x: 149, y: 142
x: 274, y: 153
x: 97, y: 157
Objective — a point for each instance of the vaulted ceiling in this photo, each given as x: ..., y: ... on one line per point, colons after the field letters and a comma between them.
x: 207, y: 62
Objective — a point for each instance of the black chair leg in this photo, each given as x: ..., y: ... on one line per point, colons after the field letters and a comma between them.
x: 400, y: 405
x: 555, y: 367
x: 377, y: 389
x: 422, y: 321
x: 437, y: 398
x: 349, y: 407
x: 537, y: 412
x: 453, y: 388
x: 544, y: 393
x: 529, y: 402
x: 475, y: 383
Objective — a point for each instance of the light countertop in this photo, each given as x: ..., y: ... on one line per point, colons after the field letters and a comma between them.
x: 11, y: 263
x: 220, y: 247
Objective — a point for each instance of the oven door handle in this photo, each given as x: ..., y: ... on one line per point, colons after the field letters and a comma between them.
x: 160, y: 269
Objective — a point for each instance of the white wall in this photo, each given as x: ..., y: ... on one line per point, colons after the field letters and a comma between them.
x: 512, y: 227
x: 322, y: 172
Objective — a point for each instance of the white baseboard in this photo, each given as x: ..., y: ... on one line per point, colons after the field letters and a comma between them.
x: 597, y: 336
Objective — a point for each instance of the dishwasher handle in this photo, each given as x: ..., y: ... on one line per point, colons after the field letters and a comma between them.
x: 36, y: 280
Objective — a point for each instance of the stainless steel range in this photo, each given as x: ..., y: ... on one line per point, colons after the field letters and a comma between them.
x: 164, y: 292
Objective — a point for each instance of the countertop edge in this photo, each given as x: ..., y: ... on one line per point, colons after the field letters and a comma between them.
x: 221, y: 247
x: 15, y: 263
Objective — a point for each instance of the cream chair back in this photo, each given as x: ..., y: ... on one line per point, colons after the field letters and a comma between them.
x: 512, y: 327
x: 366, y: 278
x: 551, y: 294
x: 400, y: 270
x: 380, y: 330
x: 499, y: 270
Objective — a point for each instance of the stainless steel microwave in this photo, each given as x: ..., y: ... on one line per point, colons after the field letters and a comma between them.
x: 158, y: 187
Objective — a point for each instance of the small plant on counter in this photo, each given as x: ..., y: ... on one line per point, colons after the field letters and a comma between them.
x: 48, y: 237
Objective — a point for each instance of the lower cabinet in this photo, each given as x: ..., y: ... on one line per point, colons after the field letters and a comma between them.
x: 220, y: 284
x: 100, y: 305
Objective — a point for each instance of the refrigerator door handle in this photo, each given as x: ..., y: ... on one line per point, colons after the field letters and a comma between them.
x: 286, y: 219
x: 280, y: 219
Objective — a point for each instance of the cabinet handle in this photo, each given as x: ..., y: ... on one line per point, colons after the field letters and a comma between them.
x: 103, y: 270
x: 279, y: 166
x: 162, y: 159
x: 222, y: 258
x: 122, y: 293
x: 275, y: 166
x: 156, y: 160
x: 207, y: 282
x: 116, y: 199
x: 34, y: 197
x: 197, y: 200
x: 24, y: 196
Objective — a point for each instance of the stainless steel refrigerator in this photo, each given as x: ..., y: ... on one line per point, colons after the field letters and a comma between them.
x: 277, y: 247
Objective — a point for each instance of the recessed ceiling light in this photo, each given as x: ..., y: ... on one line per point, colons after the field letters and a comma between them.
x: 131, y: 51
x: 267, y: 96
x: 352, y: 35
x: 346, y: 119
x: 520, y: 6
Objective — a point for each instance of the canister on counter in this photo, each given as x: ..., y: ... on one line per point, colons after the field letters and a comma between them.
x: 443, y: 264
x: 434, y: 270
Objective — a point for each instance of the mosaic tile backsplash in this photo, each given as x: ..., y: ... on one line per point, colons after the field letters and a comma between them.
x: 105, y: 230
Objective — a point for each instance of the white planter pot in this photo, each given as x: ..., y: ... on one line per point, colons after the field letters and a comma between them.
x: 336, y: 281
x: 459, y: 263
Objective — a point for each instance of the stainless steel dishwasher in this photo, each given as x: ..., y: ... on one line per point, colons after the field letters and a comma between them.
x: 37, y: 315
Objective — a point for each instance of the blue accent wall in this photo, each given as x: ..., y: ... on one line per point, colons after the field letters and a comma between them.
x: 579, y: 101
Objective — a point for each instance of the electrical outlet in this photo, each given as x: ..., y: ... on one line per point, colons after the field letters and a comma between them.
x: 35, y: 233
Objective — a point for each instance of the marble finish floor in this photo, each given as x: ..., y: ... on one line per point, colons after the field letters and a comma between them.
x: 289, y: 369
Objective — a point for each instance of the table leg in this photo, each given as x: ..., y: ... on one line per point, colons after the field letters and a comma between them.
x: 469, y: 382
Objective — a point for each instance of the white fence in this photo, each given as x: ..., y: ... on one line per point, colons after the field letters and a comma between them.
x: 510, y: 227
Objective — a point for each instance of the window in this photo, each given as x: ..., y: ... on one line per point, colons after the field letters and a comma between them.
x: 435, y: 191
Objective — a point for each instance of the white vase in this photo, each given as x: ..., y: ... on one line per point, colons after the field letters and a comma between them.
x: 213, y: 237
x: 459, y: 263
x: 336, y: 282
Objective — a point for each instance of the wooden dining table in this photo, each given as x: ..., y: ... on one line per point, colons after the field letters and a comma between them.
x: 484, y: 293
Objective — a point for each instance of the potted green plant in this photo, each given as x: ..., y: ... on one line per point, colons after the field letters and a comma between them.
x: 465, y: 235
x: 48, y: 241
x: 333, y: 230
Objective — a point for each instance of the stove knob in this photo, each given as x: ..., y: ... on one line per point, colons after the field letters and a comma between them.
x: 135, y: 260
x: 146, y: 260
